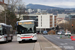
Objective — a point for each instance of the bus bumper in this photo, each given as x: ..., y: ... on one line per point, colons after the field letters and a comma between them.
x: 27, y: 39
x: 2, y: 39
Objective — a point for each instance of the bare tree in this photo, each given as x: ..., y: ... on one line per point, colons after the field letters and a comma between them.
x: 13, y: 3
x: 21, y: 9
x: 17, y: 4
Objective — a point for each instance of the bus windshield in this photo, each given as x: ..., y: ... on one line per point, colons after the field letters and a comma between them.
x: 26, y: 28
x: 0, y: 31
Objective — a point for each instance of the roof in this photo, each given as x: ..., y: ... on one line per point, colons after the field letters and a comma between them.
x: 2, y: 3
x: 25, y: 20
x: 63, y: 21
x: 61, y: 15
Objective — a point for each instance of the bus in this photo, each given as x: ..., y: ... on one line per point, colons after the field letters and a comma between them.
x: 26, y: 30
x: 6, y: 32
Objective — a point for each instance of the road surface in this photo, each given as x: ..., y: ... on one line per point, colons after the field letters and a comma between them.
x: 14, y: 45
x: 41, y: 44
x: 65, y: 44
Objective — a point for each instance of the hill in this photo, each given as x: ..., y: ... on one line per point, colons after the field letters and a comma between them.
x: 37, y: 6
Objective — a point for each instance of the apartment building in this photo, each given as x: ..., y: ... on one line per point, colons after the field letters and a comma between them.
x: 46, y: 21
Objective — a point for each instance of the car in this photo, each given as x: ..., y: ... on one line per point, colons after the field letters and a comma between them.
x: 61, y: 32
x: 68, y: 33
x: 45, y: 32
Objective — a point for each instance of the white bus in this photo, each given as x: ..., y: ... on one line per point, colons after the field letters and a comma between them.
x: 6, y: 32
x: 26, y: 30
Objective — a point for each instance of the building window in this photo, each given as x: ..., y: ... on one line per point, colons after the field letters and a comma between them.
x: 55, y: 16
x: 51, y: 25
x: 50, y: 20
x: 55, y: 25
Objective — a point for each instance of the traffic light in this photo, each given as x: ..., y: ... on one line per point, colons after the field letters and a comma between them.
x: 72, y: 25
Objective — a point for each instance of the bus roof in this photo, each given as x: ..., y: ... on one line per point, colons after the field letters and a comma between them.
x: 25, y: 20
x: 2, y: 24
x: 5, y: 25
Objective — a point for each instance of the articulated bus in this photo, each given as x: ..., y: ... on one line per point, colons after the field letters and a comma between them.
x: 26, y: 30
x: 6, y: 32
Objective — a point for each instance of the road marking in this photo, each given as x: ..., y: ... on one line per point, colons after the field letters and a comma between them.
x: 58, y: 37
x: 63, y: 43
x: 37, y: 46
x: 52, y: 47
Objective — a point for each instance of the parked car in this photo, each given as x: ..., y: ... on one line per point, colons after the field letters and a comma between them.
x: 61, y: 32
x: 68, y: 33
x: 45, y: 32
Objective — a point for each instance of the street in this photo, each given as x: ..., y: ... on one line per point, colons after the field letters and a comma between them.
x: 14, y: 45
x: 54, y: 42
x: 41, y: 44
x: 64, y: 43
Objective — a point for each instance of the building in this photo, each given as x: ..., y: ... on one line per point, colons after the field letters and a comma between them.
x: 46, y: 21
x: 60, y: 17
x: 30, y: 10
x: 2, y: 1
x: 68, y: 22
x: 3, y: 6
x: 38, y: 10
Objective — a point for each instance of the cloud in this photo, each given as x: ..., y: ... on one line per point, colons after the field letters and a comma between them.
x: 58, y: 3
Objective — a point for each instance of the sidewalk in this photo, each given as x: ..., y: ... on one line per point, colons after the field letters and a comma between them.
x: 46, y: 45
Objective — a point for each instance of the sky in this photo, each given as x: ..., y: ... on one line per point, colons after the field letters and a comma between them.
x: 54, y: 3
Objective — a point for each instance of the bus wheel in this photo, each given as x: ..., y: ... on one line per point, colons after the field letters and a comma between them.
x: 35, y: 40
x: 20, y: 42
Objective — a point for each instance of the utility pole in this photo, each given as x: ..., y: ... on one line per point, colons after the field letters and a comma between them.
x: 5, y: 17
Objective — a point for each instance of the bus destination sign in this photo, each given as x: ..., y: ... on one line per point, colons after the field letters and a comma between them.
x: 22, y: 23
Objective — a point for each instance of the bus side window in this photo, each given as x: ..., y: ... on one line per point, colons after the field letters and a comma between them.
x: 34, y: 29
x: 4, y: 31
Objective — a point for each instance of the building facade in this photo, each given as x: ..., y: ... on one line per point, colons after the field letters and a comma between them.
x: 60, y: 17
x: 46, y: 21
x: 3, y: 6
x: 2, y: 1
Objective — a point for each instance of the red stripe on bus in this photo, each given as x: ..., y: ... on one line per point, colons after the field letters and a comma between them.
x: 26, y: 37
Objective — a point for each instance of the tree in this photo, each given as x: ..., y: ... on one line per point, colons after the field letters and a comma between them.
x: 10, y: 18
x: 18, y: 4
x: 21, y: 9
x: 13, y: 3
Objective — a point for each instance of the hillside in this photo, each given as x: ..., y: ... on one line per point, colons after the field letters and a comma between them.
x: 37, y: 6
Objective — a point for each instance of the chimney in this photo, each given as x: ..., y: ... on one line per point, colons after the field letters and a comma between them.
x: 3, y: 1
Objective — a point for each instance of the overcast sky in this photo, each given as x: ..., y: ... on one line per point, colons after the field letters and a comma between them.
x: 57, y: 3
